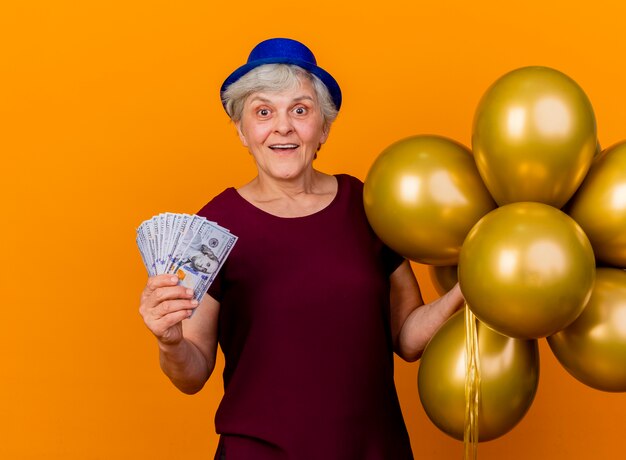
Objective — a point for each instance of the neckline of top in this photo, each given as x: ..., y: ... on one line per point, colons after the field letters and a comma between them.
x: 330, y: 205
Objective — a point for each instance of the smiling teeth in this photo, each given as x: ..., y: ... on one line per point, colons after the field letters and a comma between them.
x: 285, y: 146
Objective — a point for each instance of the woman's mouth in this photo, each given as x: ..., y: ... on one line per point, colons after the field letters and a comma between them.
x: 283, y: 147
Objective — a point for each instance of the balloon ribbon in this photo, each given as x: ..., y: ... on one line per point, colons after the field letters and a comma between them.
x: 472, y: 386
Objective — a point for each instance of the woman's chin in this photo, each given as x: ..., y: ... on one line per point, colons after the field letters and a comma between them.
x: 288, y: 173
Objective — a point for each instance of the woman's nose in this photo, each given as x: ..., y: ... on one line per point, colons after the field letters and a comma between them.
x: 283, y: 123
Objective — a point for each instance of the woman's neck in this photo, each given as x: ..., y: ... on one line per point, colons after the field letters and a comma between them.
x: 291, y: 197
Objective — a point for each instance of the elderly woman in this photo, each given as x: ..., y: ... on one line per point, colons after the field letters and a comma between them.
x: 310, y: 305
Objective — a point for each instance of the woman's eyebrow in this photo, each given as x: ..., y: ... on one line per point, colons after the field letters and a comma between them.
x: 302, y: 98
x: 260, y: 99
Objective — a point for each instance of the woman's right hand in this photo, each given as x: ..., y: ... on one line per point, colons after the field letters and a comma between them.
x: 164, y: 305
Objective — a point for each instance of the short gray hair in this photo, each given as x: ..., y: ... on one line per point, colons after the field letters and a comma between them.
x: 274, y: 78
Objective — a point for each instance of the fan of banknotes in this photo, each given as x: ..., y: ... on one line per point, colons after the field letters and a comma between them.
x: 186, y: 245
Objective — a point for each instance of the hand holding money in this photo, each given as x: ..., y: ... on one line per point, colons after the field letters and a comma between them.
x: 164, y: 304
x: 188, y: 246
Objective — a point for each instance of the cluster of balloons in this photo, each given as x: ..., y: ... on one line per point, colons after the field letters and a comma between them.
x: 532, y: 224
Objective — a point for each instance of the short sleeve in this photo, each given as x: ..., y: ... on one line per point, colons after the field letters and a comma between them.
x: 215, y: 289
x: 391, y: 259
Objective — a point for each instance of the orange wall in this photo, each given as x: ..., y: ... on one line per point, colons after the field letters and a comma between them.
x: 109, y: 113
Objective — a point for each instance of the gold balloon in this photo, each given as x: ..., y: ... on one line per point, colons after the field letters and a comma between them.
x: 509, y: 371
x: 534, y: 136
x: 598, y: 151
x: 444, y: 277
x: 526, y: 270
x: 593, y: 348
x: 422, y: 195
x: 599, y: 206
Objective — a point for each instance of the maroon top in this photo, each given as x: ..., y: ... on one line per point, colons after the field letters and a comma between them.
x: 304, y: 327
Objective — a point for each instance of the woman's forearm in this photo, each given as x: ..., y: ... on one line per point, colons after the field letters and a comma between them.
x: 423, y: 323
x: 185, y: 365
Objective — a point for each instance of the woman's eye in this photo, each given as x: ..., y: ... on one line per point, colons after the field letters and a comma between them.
x: 300, y: 110
x: 263, y: 112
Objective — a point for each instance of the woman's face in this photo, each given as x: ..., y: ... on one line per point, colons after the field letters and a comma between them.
x: 283, y: 130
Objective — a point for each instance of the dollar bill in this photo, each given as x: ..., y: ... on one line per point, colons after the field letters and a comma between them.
x: 189, y: 246
x: 203, y: 258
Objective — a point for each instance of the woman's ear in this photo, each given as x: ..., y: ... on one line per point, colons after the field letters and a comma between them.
x: 242, y: 137
x: 325, y: 132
